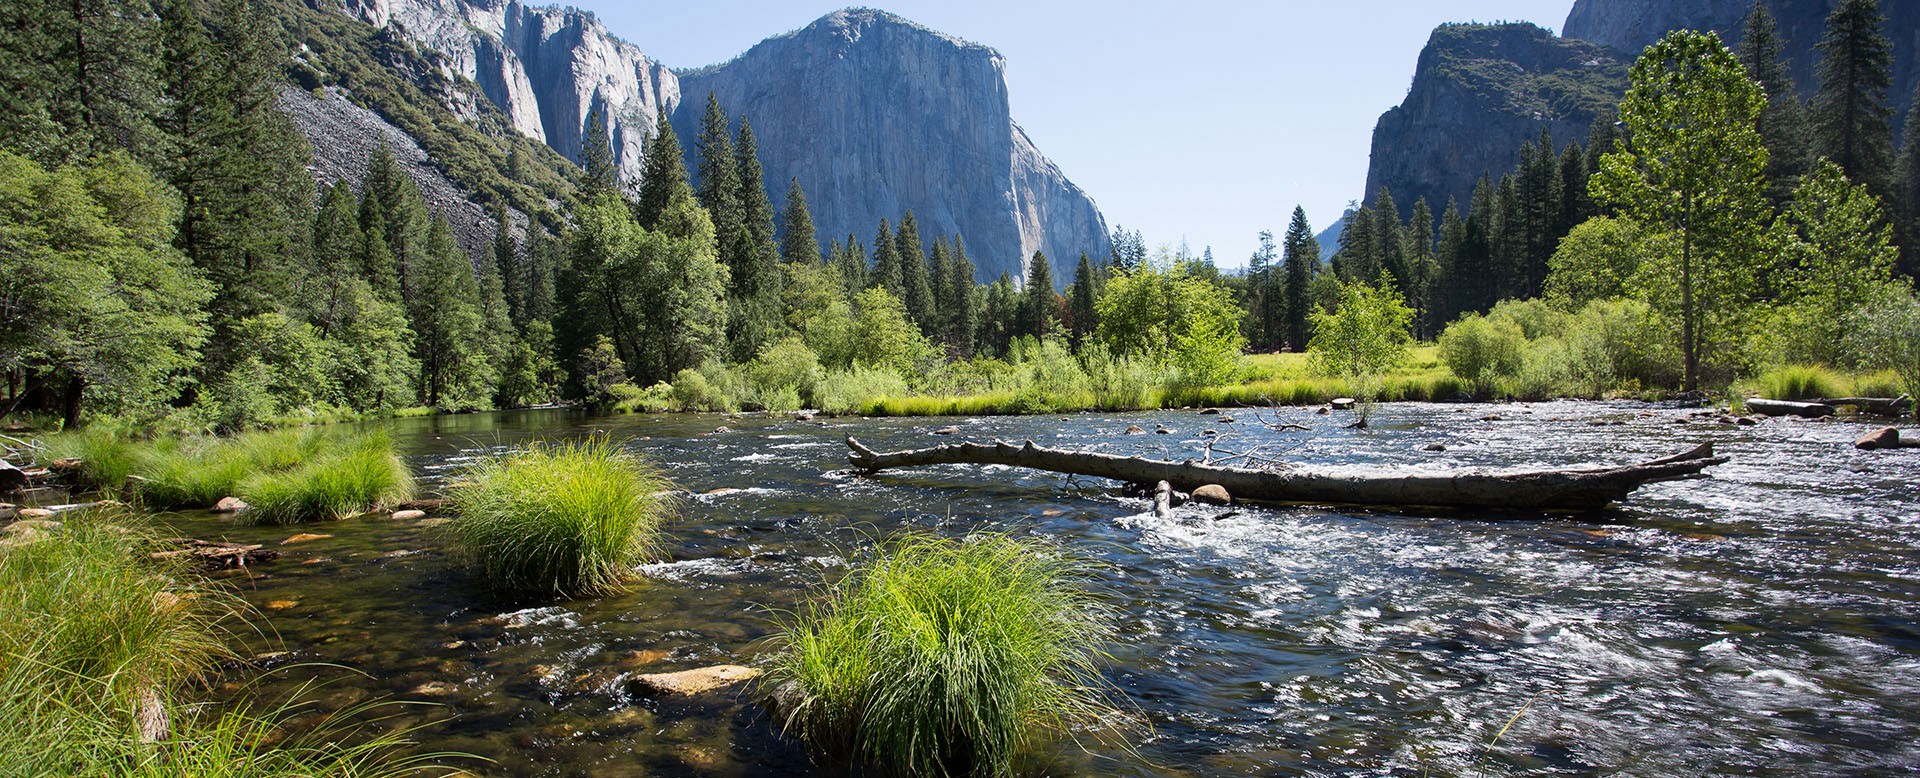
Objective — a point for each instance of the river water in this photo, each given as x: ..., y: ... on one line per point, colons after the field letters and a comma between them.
x: 1763, y: 620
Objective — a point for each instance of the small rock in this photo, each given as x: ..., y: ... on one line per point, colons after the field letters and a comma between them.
x: 282, y: 605
x: 1052, y: 512
x: 722, y: 430
x: 1209, y: 433
x: 1212, y: 494
x: 1342, y: 403
x: 1434, y: 447
x: 1324, y: 410
x: 1225, y: 419
x: 690, y: 682
x: 1210, y: 412
x: 435, y: 689
x: 1746, y: 421
x: 1596, y: 422
x: 1162, y: 431
x: 1885, y: 437
x: 641, y: 658
x: 303, y: 537
x: 409, y: 515
x: 1134, y: 429
x: 721, y: 492
x: 803, y: 416
x: 947, y: 431
x: 33, y: 513
x: 1490, y: 417
x: 229, y: 505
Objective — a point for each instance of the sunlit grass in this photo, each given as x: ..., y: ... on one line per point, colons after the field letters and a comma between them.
x: 197, y: 472
x: 560, y: 518
x: 344, y: 479
x: 946, y: 657
x: 1798, y: 382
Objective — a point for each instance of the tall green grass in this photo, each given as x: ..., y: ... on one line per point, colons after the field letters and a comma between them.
x: 99, y: 647
x: 342, y: 480
x: 106, y: 457
x: 197, y: 472
x: 1798, y: 382
x: 560, y: 518
x: 946, y: 657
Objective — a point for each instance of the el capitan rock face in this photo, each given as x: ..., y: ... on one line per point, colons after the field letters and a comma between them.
x: 875, y: 116
x: 1480, y: 92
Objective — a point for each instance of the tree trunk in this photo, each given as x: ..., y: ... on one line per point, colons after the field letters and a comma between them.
x: 1787, y: 408
x: 1572, y: 488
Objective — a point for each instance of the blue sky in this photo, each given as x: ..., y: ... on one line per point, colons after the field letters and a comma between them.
x: 1198, y: 120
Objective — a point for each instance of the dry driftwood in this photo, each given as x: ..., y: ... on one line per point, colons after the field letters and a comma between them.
x: 209, y: 555
x: 1570, y: 488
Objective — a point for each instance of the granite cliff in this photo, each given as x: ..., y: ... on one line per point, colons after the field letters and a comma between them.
x: 873, y: 114
x: 876, y: 116
x: 1479, y: 92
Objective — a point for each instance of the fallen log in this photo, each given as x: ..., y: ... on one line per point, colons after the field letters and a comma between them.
x: 1878, y: 406
x: 1570, y: 488
x: 1789, y: 408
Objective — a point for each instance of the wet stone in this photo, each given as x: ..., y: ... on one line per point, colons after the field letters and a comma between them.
x: 690, y: 682
x: 409, y: 515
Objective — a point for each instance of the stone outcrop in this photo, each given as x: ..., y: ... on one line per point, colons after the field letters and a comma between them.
x: 1480, y: 92
x: 547, y: 68
x: 876, y: 116
x: 873, y: 114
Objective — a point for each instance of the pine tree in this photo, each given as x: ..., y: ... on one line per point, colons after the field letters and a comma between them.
x: 1447, y: 305
x: 337, y: 242
x: 1905, y: 204
x: 798, y: 242
x: 850, y: 264
x: 542, y: 268
x: 1783, y: 123
x: 755, y: 261
x: 1300, y: 262
x: 598, y: 174
x: 662, y: 173
x: 916, y: 288
x: 77, y: 79
x: 1084, y: 292
x: 886, y: 260
x: 939, y: 274
x: 1423, y: 269
x: 1039, y: 304
x: 449, y: 325
x: 512, y: 272
x: 1129, y: 249
x: 1264, y: 319
x: 1851, y: 118
x: 1389, y: 239
x: 959, y: 302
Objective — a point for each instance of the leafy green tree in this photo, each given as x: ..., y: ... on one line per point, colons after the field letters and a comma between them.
x: 1482, y: 350
x: 1596, y: 261
x: 336, y: 264
x: 1845, y: 255
x: 1694, y: 166
x: 883, y: 336
x: 1783, y: 123
x: 1299, y: 262
x: 1365, y: 335
x: 1164, y: 313
x: 1850, y: 113
x: 798, y: 243
x: 690, y: 325
x: 96, y: 305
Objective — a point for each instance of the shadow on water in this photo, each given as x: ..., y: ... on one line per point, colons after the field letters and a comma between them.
x: 1762, y: 621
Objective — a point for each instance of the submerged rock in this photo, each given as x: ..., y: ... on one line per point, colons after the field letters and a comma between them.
x: 1434, y: 447
x: 1134, y: 429
x: 409, y: 515
x: 303, y: 538
x: 947, y: 431
x: 690, y: 682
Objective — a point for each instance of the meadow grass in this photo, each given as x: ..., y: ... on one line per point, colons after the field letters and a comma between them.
x: 343, y: 479
x: 99, y: 645
x: 106, y: 457
x: 570, y: 518
x: 946, y: 657
x: 1798, y: 382
x: 197, y: 472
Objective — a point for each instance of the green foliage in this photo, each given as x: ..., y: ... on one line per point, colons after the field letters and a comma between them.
x: 1596, y: 261
x: 1366, y: 335
x: 1851, y: 118
x: 946, y: 657
x: 196, y: 472
x: 1693, y: 165
x: 1482, y: 350
x: 352, y: 477
x: 98, y: 303
x: 106, y: 457
x: 1889, y: 330
x: 692, y: 391
x: 855, y: 389
x: 883, y: 336
x: 560, y: 518
x: 1165, y: 314
x: 1844, y: 257
x: 784, y: 367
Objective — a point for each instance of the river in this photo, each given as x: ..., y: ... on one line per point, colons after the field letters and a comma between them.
x: 1763, y: 620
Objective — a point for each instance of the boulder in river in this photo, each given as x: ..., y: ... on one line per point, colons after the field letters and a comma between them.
x: 690, y: 682
x: 1134, y: 429
x: 1885, y: 437
x: 229, y: 505
x: 409, y: 515
x: 1342, y: 403
x: 1212, y: 494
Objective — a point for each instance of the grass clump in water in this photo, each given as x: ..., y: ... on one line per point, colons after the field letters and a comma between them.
x: 340, y: 481
x: 1798, y: 382
x: 946, y: 657
x: 100, y: 645
x: 560, y: 518
x: 197, y: 472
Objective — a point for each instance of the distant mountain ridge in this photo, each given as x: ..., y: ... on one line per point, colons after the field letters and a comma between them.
x: 873, y: 114
x: 1481, y: 91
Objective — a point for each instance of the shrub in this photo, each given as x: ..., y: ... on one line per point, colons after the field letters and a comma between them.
x: 694, y: 391
x: 853, y: 390
x: 1482, y: 350
x: 943, y: 657
x: 786, y: 365
x: 350, y: 478
x: 560, y: 518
